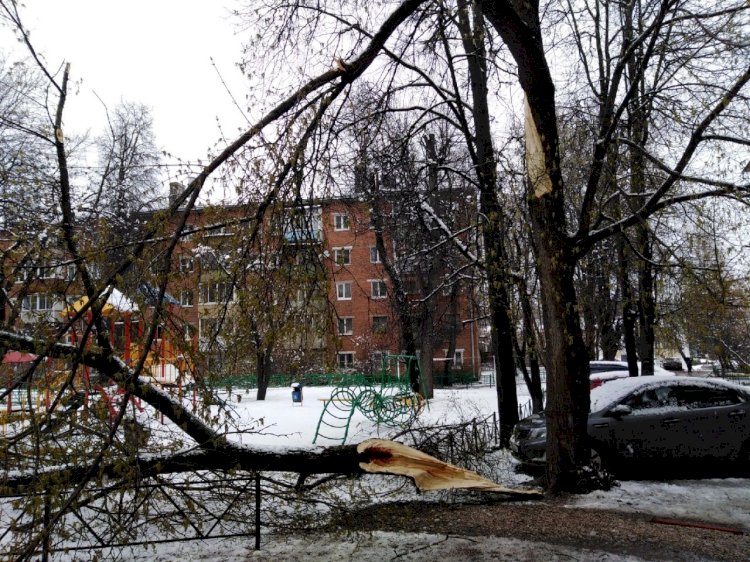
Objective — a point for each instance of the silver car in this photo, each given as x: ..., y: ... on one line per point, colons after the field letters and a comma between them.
x: 652, y: 423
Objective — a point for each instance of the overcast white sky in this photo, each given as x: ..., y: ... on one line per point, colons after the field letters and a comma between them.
x: 157, y: 52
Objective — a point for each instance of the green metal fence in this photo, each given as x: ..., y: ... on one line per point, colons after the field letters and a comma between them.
x: 279, y: 380
x: 455, y: 378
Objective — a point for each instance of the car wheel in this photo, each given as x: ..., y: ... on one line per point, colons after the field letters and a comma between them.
x: 597, y: 460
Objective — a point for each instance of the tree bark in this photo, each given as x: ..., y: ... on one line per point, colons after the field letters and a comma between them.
x: 628, y: 312
x: 638, y: 131
x: 494, y: 233
x: 263, y: 368
x: 534, y: 382
x: 646, y: 302
x: 517, y: 22
x: 450, y: 353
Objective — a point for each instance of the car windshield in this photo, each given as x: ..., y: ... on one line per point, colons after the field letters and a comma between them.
x: 616, y: 390
x: 604, y: 395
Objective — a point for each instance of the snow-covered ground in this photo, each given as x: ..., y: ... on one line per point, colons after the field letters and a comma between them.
x: 278, y: 423
x: 281, y: 424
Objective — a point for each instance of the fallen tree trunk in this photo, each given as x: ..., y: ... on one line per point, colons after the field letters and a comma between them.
x: 216, y: 452
x: 374, y: 456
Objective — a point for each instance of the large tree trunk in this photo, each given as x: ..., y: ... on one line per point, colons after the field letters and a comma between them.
x: 646, y: 304
x: 494, y: 234
x: 507, y: 397
x: 628, y: 311
x: 567, y: 406
x: 427, y: 368
x: 450, y: 353
x: 517, y: 22
x: 534, y: 379
x: 263, y: 369
x: 638, y: 131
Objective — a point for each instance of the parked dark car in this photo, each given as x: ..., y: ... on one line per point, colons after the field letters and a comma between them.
x: 652, y: 423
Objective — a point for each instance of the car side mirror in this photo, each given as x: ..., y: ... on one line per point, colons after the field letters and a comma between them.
x: 620, y: 411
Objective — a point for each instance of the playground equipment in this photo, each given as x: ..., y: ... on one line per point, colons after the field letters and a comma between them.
x: 389, y: 401
x: 165, y: 364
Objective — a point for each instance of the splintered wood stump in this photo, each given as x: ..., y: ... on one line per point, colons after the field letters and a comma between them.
x: 429, y: 473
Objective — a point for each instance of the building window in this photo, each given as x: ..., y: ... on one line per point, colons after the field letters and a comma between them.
x: 378, y: 289
x: 213, y: 293
x: 346, y: 326
x: 190, y: 332
x: 379, y: 324
x: 159, y: 333
x: 344, y: 290
x: 346, y: 359
x: 186, y: 264
x: 37, y: 302
x: 48, y: 271
x: 207, y: 328
x: 186, y: 297
x: 212, y: 231
x: 377, y: 359
x: 187, y: 232
x: 374, y: 255
x: 343, y: 256
x: 42, y: 271
x: 447, y: 289
x: 458, y: 359
x: 340, y: 221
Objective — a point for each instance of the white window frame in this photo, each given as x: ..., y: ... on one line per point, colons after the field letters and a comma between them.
x: 215, y: 292
x: 341, y: 290
x: 375, y: 255
x: 347, y: 364
x: 346, y: 326
x: 207, y: 328
x: 343, y: 255
x: 185, y: 300
x: 217, y: 231
x: 341, y: 222
x: 190, y: 332
x: 187, y: 264
x: 376, y: 357
x: 47, y: 271
x: 382, y: 289
x: 458, y: 359
x: 187, y: 234
x: 38, y: 302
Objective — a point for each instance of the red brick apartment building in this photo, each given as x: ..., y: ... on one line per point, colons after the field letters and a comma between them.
x: 367, y: 324
x: 359, y: 320
x: 332, y: 309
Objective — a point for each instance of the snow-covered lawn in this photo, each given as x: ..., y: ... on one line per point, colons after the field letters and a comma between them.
x: 287, y: 425
x: 277, y: 424
x: 281, y: 424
